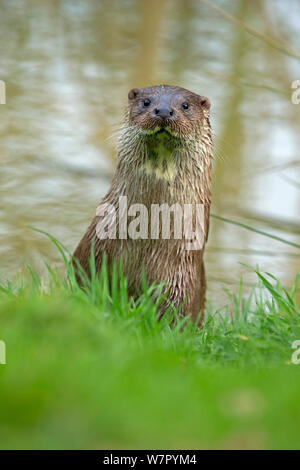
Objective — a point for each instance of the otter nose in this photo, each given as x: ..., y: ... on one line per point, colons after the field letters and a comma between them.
x: 164, y: 112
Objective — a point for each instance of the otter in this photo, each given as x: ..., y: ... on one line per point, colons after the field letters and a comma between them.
x: 164, y: 159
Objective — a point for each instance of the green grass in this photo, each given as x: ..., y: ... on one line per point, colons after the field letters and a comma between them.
x: 90, y: 368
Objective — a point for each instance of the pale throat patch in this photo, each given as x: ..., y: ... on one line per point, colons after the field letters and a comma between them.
x: 160, y: 161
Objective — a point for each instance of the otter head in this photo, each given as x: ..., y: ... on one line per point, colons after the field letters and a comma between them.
x: 168, y: 109
x: 166, y: 127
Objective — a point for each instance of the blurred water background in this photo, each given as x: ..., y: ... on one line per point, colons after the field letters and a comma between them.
x: 68, y: 66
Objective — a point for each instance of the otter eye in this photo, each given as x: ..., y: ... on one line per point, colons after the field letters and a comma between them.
x: 147, y: 102
x: 185, y: 105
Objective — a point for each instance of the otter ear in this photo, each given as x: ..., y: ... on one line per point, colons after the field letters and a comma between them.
x: 133, y: 93
x: 205, y: 102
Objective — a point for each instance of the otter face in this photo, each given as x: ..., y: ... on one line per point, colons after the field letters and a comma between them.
x: 171, y: 109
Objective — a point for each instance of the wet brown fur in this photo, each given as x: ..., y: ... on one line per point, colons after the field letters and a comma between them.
x: 188, y: 182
